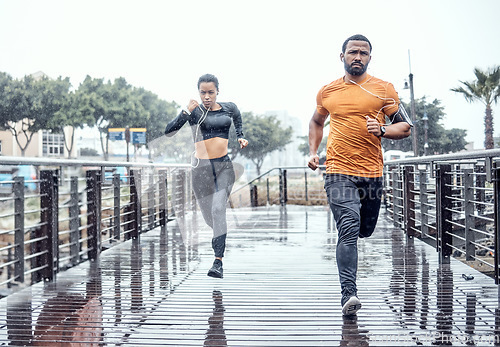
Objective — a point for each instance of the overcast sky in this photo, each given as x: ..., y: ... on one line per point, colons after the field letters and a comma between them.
x: 268, y: 55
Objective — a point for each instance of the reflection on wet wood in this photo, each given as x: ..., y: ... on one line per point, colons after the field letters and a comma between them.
x: 280, y: 288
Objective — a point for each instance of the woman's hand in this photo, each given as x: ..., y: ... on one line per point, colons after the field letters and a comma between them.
x: 192, y: 104
x: 243, y: 142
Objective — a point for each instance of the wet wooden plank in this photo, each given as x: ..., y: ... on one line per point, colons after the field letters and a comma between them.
x: 280, y: 288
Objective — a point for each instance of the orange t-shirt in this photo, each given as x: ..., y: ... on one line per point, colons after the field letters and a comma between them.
x: 350, y: 149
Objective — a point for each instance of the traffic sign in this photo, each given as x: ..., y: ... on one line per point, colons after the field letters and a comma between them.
x: 116, y: 134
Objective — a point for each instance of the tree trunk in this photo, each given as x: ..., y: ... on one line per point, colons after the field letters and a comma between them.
x: 488, y: 128
x: 69, y: 146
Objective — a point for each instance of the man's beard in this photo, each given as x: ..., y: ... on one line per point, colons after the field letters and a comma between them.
x: 355, y: 71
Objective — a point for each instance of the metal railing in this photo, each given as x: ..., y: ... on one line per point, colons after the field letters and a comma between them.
x: 72, y: 210
x: 75, y: 209
x: 281, y: 185
x: 450, y: 201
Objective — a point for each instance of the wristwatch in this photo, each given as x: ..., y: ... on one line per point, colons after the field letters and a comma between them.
x: 382, y: 131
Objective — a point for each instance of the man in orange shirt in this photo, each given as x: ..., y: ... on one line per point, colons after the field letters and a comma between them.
x: 358, y: 105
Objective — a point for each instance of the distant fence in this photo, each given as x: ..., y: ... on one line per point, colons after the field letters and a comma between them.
x: 450, y: 201
x: 65, y: 212
x: 296, y: 185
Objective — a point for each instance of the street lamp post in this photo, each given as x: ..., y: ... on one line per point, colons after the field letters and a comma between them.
x: 413, y: 116
x: 127, y: 140
x: 413, y: 113
x: 425, y: 119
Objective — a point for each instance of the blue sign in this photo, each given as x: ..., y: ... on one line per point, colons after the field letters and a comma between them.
x: 139, y: 137
x: 115, y: 135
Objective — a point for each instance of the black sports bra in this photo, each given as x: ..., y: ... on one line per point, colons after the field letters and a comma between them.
x: 216, y: 124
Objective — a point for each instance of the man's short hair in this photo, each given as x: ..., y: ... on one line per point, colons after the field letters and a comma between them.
x: 356, y: 37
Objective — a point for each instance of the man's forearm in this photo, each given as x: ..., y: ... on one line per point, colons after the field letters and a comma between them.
x: 397, y: 131
x: 315, y: 136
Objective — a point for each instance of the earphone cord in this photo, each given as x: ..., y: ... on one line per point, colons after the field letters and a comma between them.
x: 379, y: 97
x: 201, y: 120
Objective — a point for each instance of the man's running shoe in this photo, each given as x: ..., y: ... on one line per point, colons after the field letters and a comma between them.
x: 351, y: 305
x: 216, y: 269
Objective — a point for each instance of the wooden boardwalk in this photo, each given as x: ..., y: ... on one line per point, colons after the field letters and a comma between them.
x: 280, y: 288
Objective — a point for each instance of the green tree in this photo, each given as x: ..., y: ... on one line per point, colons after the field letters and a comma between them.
x: 93, y: 103
x: 112, y: 105
x: 17, y: 105
x: 74, y: 114
x: 304, y: 147
x: 486, y: 89
x: 265, y: 135
x: 29, y: 105
x: 60, y: 110
x: 159, y: 113
x: 453, y: 140
x: 439, y: 139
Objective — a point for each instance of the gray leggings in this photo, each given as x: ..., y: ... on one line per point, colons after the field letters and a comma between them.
x: 355, y: 204
x: 213, y: 181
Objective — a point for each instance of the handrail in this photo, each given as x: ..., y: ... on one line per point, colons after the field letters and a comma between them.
x: 451, y: 201
x: 78, y: 162
x: 269, y: 171
x: 489, y: 153
x: 55, y: 221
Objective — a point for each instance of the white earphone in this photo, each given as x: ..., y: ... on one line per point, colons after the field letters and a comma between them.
x: 201, y: 120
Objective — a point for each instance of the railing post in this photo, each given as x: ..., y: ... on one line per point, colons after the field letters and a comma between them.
x: 253, y: 195
x: 177, y: 195
x: 396, y: 198
x: 305, y: 183
x: 469, y: 220
x: 49, y: 222
x: 409, y: 201
x: 74, y: 222
x: 267, y: 190
x: 480, y: 184
x: 424, y: 208
x: 443, y: 212
x: 135, y: 200
x: 496, y: 192
x: 163, y: 197
x: 151, y: 201
x: 19, y: 228
x: 93, y: 214
x: 189, y: 184
x: 116, y: 206
x: 283, y: 187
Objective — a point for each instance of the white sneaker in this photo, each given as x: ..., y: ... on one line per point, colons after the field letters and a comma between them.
x: 351, y: 307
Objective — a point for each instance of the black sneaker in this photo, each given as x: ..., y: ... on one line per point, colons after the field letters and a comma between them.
x: 216, y: 269
x: 350, y: 303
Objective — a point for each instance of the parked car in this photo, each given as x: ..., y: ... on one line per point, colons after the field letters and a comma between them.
x: 29, y: 174
x: 122, y: 170
x: 7, y: 175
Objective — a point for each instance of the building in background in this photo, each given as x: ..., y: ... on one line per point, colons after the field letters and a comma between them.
x: 290, y: 156
x: 44, y: 143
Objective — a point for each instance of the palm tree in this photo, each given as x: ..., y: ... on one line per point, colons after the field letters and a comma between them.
x: 486, y: 89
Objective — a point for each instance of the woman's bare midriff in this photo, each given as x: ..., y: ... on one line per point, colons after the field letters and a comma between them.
x: 215, y: 147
